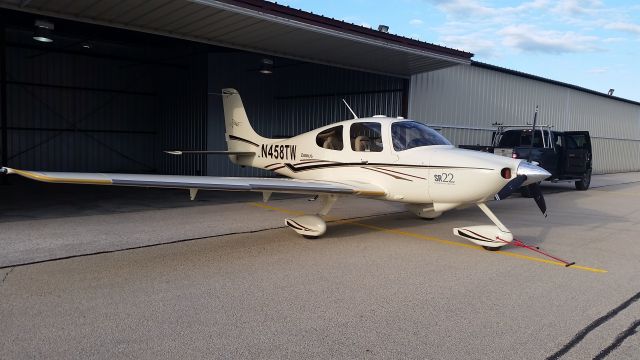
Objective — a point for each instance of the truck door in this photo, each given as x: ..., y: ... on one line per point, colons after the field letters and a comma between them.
x: 547, y: 157
x: 577, y: 152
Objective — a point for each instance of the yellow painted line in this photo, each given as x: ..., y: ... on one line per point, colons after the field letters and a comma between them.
x: 269, y: 207
x: 435, y: 239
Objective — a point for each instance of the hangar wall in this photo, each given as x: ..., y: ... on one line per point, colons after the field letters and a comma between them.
x: 112, y: 107
x: 297, y: 97
x: 471, y: 98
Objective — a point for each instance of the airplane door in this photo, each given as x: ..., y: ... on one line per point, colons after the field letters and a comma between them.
x: 577, y: 152
x: 368, y: 145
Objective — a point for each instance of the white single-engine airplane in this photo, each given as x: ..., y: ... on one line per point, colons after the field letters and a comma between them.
x: 379, y: 157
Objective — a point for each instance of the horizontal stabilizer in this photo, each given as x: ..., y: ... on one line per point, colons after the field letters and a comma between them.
x: 209, y: 152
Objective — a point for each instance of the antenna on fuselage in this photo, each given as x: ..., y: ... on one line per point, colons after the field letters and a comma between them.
x: 349, y: 107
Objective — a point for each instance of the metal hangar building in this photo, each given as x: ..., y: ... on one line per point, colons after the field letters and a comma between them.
x: 123, y: 80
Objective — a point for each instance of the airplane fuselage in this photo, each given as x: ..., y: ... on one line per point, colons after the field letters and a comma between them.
x: 431, y: 174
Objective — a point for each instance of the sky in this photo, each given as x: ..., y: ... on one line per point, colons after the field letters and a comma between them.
x: 589, y: 43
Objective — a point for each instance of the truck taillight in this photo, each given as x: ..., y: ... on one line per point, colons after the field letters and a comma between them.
x: 514, y: 155
x: 506, y: 173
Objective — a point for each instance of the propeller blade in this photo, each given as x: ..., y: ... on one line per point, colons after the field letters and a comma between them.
x: 538, y: 197
x: 511, y: 186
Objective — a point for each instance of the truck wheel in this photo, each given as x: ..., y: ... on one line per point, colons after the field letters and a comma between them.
x: 584, y: 183
x: 525, y: 192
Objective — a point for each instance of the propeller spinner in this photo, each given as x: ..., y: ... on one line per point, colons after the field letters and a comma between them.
x: 527, y: 175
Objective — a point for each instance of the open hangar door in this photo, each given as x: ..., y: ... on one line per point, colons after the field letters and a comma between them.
x: 290, y: 97
x: 103, y: 99
x: 100, y: 99
x: 121, y: 124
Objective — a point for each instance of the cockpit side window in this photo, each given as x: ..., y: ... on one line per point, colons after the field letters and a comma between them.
x: 331, y: 138
x: 366, y: 136
x: 409, y: 134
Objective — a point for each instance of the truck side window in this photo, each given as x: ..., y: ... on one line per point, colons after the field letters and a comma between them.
x: 559, y: 142
x: 331, y: 138
x: 525, y: 138
x: 366, y: 136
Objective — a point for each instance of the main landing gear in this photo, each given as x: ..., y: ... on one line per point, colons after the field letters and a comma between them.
x: 312, y: 226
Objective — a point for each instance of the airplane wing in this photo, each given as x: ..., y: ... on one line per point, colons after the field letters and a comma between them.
x: 282, y: 185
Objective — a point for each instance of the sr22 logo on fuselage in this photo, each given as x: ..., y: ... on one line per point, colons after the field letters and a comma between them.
x: 444, y: 178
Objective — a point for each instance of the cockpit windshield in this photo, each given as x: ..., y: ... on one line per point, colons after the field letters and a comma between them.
x: 409, y: 134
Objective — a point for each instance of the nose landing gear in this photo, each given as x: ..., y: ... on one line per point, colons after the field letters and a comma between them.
x: 489, y: 237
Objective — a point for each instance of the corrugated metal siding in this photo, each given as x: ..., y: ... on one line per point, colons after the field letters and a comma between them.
x: 296, y: 98
x: 62, y: 114
x: 183, y: 116
x: 611, y: 156
x: 474, y: 98
x: 115, y: 112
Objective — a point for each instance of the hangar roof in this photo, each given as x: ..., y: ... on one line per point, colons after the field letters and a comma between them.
x: 259, y: 26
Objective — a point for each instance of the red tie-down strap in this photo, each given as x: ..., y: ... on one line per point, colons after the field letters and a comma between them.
x: 519, y: 243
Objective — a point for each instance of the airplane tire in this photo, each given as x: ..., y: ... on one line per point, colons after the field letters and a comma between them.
x: 489, y: 248
x: 584, y: 183
x: 310, y: 237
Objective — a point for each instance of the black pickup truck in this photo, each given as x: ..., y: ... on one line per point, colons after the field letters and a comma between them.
x: 565, y: 154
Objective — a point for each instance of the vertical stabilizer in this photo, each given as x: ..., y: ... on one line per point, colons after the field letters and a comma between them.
x: 239, y: 133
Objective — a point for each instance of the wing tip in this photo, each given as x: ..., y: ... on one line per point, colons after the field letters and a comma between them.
x: 52, y: 178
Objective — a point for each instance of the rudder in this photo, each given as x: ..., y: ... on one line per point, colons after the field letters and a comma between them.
x: 240, y: 135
